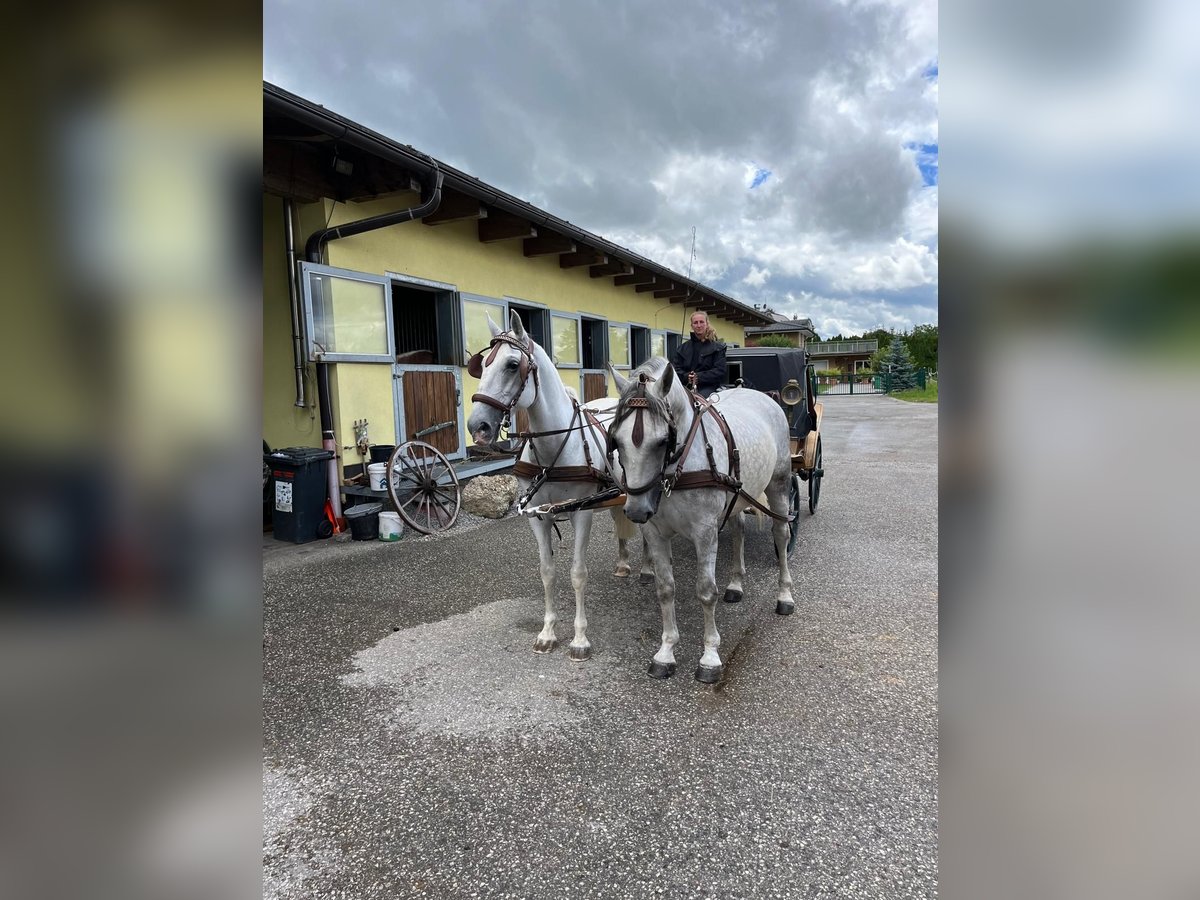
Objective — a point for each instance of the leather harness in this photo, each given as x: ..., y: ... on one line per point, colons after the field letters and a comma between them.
x: 582, y: 418
x: 680, y: 480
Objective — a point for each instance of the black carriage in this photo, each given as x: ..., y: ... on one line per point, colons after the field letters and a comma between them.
x: 786, y: 375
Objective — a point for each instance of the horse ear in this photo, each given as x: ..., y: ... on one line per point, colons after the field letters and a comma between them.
x: 621, y: 382
x: 516, y: 326
x: 492, y: 326
x: 666, y: 380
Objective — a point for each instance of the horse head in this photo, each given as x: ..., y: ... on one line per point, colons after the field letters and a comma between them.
x: 645, y: 436
x: 508, y: 379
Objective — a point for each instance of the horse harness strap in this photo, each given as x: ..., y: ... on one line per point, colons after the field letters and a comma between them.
x: 732, y: 481
x: 528, y: 366
x: 539, y: 474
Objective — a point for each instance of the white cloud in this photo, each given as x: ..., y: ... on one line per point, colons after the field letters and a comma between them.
x: 757, y: 277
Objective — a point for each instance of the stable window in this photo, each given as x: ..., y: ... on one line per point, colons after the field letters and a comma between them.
x: 639, y: 346
x: 534, y: 317
x: 658, y: 343
x: 475, y: 312
x: 674, y: 342
x: 348, y: 314
x: 595, y: 342
x: 564, y: 331
x: 424, y: 317
x: 618, y: 346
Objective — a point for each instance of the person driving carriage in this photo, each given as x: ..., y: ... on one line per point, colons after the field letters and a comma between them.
x: 703, y: 354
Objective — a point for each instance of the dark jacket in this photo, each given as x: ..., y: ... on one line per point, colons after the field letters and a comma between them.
x: 706, y: 359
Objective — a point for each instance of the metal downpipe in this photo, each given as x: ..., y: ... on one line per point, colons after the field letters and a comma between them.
x: 294, y: 296
x: 313, y: 248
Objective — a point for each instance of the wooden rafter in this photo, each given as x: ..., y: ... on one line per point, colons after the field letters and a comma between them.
x: 616, y: 267
x: 639, y: 276
x: 584, y: 256
x: 546, y: 244
x: 503, y: 226
x: 678, y: 290
x: 658, y: 284
x: 454, y: 208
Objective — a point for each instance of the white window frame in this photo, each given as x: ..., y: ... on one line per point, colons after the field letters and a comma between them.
x: 628, y: 326
x: 664, y: 332
x: 649, y: 331
x: 462, y: 319
x: 554, y: 313
x: 530, y: 304
x: 320, y: 355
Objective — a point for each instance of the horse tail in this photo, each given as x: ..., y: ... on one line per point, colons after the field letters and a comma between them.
x: 760, y: 517
x: 623, y: 524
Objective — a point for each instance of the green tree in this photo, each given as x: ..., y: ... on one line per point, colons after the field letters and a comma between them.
x: 775, y: 340
x: 898, y: 368
x: 923, y: 345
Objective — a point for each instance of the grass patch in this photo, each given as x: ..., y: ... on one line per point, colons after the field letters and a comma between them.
x: 917, y: 395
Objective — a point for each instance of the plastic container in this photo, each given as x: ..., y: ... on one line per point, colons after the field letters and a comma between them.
x: 298, y: 501
x: 364, y: 521
x: 382, y: 452
x: 377, y: 476
x: 391, y: 526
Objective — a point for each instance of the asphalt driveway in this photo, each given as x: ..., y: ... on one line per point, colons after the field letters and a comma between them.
x: 416, y: 747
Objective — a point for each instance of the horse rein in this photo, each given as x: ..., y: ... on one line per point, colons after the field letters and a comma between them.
x: 528, y: 366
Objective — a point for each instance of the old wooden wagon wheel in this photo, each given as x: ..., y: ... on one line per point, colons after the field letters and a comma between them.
x: 423, y: 487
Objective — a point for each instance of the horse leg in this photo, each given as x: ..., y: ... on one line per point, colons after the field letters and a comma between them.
x: 777, y: 496
x: 663, y: 664
x: 625, y: 530
x: 710, y: 668
x: 733, y: 593
x: 646, y: 575
x: 582, y: 523
x: 546, y: 641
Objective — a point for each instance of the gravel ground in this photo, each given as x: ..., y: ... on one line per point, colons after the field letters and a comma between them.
x: 416, y: 747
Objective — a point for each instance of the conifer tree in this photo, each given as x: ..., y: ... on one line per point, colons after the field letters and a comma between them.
x: 899, y: 374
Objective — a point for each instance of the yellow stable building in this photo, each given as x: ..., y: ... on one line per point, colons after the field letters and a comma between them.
x: 381, y: 266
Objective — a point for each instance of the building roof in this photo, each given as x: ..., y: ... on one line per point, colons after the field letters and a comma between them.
x: 310, y: 153
x: 783, y: 326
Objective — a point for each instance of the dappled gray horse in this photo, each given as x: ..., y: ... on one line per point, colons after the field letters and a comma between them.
x: 565, y: 458
x: 664, y: 449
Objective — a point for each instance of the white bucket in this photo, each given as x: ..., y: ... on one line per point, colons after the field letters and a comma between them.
x: 390, y: 526
x: 377, y: 476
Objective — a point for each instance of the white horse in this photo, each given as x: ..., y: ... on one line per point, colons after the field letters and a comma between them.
x: 519, y: 374
x: 654, y: 418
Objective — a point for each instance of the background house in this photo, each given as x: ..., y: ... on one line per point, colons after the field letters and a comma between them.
x: 381, y: 266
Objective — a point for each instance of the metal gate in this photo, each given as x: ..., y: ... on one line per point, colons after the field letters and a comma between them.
x: 861, y: 383
x: 429, y: 407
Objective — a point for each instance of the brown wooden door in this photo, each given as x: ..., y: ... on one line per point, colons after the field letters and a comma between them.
x: 595, y: 386
x: 522, y: 424
x: 431, y: 399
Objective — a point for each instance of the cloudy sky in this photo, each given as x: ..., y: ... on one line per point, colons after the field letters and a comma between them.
x: 799, y: 139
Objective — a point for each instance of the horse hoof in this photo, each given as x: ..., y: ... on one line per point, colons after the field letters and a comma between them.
x: 709, y: 674
x: 645, y: 578
x: 784, y: 609
x: 661, y: 670
x: 732, y: 596
x: 579, y: 654
x: 621, y: 572
x: 544, y: 646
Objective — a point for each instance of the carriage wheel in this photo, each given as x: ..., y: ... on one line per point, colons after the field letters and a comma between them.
x: 794, y: 509
x: 814, y: 481
x: 423, y: 487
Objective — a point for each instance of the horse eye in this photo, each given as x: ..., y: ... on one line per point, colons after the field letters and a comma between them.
x: 513, y: 365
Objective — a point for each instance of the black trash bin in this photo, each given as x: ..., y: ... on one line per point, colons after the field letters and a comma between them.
x: 298, y: 511
x: 363, y: 520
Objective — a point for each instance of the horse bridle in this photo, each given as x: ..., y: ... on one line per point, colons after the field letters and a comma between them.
x: 641, y: 405
x: 528, y: 366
